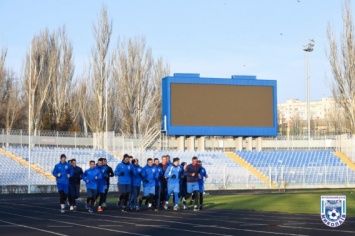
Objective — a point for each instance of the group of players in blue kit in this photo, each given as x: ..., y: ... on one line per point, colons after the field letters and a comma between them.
x: 160, y: 180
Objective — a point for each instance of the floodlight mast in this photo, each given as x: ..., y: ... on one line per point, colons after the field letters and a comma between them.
x: 308, y: 48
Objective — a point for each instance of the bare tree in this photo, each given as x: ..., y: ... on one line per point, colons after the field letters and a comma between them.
x: 41, y: 67
x: 137, y: 79
x: 9, y: 94
x: 82, y: 103
x: 3, y: 54
x: 342, y: 60
x: 98, y: 75
x: 62, y: 80
x: 11, y: 100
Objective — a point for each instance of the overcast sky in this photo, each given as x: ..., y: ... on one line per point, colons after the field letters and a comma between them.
x: 214, y: 38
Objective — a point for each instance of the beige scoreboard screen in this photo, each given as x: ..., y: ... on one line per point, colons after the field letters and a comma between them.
x: 221, y: 105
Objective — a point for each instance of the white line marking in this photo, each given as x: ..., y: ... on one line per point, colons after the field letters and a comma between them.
x: 28, y: 227
x: 168, y: 221
x: 70, y: 223
x: 110, y: 225
x: 59, y: 226
x: 253, y: 224
x: 327, y: 230
x: 159, y: 226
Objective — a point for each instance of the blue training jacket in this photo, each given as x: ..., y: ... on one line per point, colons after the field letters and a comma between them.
x: 89, y: 175
x: 203, y: 174
x: 160, y: 176
x: 104, y: 173
x: 137, y: 179
x: 173, y: 170
x: 124, y: 171
x: 64, y: 169
x: 150, y: 175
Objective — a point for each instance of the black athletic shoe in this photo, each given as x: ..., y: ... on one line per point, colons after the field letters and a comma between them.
x: 183, y: 201
x: 200, y: 207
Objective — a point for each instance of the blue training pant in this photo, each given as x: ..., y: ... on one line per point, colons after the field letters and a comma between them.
x: 63, y: 187
x: 201, y: 188
x: 124, y: 188
x: 74, y: 193
x: 173, y: 188
x: 192, y: 186
x: 148, y: 190
x: 101, y: 187
x: 91, y: 193
x: 134, y: 195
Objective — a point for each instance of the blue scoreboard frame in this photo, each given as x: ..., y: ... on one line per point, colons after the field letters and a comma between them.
x: 236, y: 131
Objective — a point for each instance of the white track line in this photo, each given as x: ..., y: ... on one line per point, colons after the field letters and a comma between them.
x: 328, y: 229
x: 29, y: 227
x: 174, y: 222
x: 71, y: 223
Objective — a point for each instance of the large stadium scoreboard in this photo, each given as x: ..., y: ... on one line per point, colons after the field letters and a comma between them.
x: 236, y: 106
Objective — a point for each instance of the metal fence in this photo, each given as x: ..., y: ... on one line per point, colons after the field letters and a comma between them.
x: 220, y: 177
x: 234, y: 178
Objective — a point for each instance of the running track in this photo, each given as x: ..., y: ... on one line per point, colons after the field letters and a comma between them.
x: 39, y: 214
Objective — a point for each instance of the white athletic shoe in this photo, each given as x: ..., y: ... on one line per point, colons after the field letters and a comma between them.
x: 185, y: 207
x: 196, y: 208
x: 71, y: 208
x: 166, y: 206
x: 176, y: 207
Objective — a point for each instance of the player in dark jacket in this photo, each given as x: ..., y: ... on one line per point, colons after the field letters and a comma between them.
x: 201, y: 182
x: 62, y: 171
x: 74, y: 184
x: 164, y: 184
x: 192, y: 173
x: 109, y: 175
x: 160, y: 179
x: 183, y: 183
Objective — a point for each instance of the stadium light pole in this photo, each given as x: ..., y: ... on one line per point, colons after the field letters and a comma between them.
x: 29, y: 124
x: 308, y: 48
x: 106, y: 127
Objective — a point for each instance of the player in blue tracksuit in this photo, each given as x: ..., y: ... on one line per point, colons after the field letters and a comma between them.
x: 173, y: 175
x: 192, y: 173
x: 136, y: 184
x: 91, y: 176
x: 158, y: 185
x: 124, y: 171
x: 74, y: 184
x: 62, y: 171
x: 101, y: 183
x: 149, y: 176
